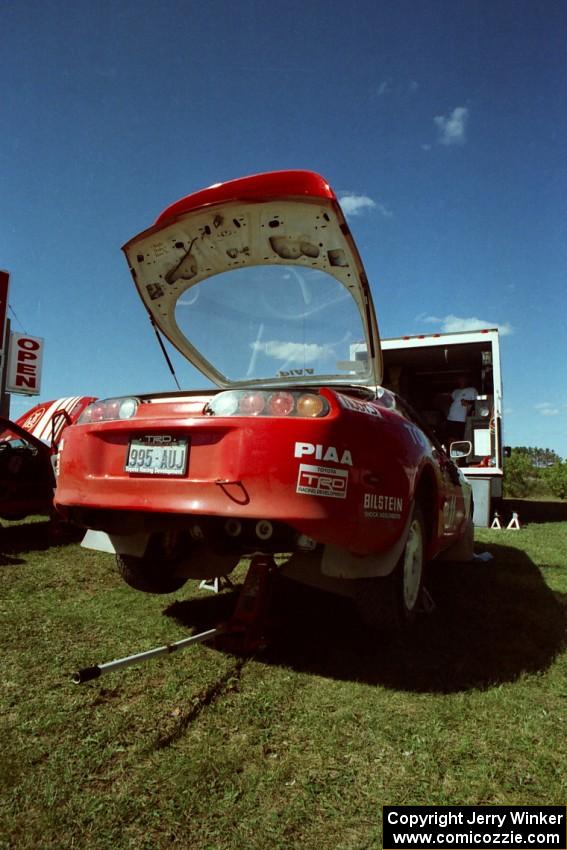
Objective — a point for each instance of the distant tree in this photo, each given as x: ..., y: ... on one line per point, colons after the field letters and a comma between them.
x: 539, y: 458
x: 556, y: 478
x: 519, y: 477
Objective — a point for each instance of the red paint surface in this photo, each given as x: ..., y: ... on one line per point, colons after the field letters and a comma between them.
x: 259, y: 187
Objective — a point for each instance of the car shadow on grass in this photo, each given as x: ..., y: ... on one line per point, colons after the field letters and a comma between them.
x: 493, y: 622
x: 16, y: 539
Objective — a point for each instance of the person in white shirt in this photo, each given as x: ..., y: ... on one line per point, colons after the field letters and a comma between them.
x: 462, y: 400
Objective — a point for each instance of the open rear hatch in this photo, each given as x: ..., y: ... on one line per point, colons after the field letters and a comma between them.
x: 259, y: 281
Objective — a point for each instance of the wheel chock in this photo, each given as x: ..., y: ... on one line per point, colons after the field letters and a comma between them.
x: 216, y: 585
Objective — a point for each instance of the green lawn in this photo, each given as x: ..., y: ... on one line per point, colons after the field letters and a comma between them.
x: 298, y: 747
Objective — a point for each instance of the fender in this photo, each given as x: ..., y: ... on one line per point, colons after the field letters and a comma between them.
x: 340, y: 563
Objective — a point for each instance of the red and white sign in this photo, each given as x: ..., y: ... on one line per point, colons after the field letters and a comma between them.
x: 24, y: 364
x: 4, y: 286
x: 322, y: 481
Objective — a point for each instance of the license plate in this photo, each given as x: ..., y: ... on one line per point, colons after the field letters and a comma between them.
x: 157, y: 455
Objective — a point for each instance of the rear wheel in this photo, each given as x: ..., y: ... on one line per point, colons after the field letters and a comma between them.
x: 411, y: 568
x: 393, y: 601
x: 155, y: 571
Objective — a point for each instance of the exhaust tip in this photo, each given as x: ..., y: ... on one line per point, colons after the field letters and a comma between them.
x: 233, y: 527
x: 264, y: 529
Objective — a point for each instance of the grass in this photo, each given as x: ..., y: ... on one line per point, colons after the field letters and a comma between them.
x: 297, y: 747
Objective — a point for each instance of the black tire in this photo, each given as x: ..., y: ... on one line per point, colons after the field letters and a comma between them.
x: 154, y: 572
x: 393, y: 602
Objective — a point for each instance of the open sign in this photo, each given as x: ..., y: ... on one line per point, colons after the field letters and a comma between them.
x: 24, y: 364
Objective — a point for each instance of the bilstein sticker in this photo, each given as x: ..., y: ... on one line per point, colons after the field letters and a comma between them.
x: 379, y: 506
x: 323, y: 481
x: 329, y: 454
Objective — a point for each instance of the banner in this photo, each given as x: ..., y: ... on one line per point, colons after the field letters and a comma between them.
x: 24, y: 364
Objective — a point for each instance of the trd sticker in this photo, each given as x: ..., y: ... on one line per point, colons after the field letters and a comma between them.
x: 378, y: 506
x: 322, y: 481
x: 158, y: 440
x: 325, y: 453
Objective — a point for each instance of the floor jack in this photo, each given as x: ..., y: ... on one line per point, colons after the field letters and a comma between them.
x: 243, y: 634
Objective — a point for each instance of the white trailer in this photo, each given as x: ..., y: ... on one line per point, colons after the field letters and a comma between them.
x: 425, y: 369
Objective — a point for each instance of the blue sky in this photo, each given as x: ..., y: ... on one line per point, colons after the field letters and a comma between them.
x: 442, y: 124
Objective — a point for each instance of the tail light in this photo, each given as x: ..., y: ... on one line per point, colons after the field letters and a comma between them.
x: 252, y: 404
x: 309, y: 404
x: 281, y: 404
x: 107, y: 409
x: 264, y: 403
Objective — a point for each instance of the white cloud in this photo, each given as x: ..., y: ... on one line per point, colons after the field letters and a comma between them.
x: 383, y: 210
x: 452, y: 129
x: 353, y: 204
x: 398, y: 87
x: 546, y: 408
x: 356, y: 204
x: 292, y: 352
x: 454, y: 324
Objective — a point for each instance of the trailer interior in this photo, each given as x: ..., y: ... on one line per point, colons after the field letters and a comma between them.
x: 427, y: 375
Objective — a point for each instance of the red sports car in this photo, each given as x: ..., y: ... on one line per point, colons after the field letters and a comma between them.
x: 298, y: 448
x: 28, y: 453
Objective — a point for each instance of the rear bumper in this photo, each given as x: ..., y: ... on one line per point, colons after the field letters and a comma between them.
x: 313, y: 475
